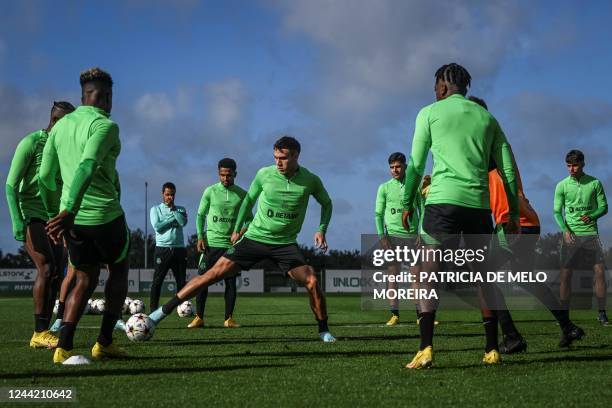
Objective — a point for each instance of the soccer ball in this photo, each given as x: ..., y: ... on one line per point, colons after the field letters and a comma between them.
x: 136, y: 306
x: 56, y: 307
x: 93, y: 306
x: 185, y: 309
x: 98, y: 306
x: 126, y: 305
x: 139, y: 327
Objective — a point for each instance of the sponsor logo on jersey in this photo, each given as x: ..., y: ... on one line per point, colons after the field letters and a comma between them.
x: 577, y: 209
x: 223, y: 219
x: 280, y: 214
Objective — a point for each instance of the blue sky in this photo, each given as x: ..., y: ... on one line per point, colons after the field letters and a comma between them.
x: 197, y: 81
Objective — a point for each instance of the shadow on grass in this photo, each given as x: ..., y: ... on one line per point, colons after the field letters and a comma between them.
x: 315, y: 354
x: 342, y: 339
x: 258, y: 340
x: 214, y: 342
x: 242, y: 326
x: 275, y: 324
x: 560, y: 359
x: 96, y: 372
x: 276, y: 314
x: 575, y: 347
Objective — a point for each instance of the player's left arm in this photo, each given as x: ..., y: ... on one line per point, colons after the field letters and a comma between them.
x: 180, y: 215
x: 519, y: 181
x: 19, y: 165
x: 602, y: 203
x: 321, y: 195
x: 417, y: 204
x: 117, y: 185
x: 502, y: 154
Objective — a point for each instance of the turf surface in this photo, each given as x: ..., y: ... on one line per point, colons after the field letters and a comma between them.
x: 276, y: 359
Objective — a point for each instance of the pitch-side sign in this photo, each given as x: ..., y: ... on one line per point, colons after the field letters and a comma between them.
x: 139, y: 280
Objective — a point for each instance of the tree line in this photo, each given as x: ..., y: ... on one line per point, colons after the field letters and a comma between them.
x: 547, y: 255
x: 334, y: 259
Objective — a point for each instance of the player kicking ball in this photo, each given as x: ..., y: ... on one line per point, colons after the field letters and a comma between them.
x: 283, y: 191
x: 29, y: 216
x: 218, y: 212
x: 84, y: 148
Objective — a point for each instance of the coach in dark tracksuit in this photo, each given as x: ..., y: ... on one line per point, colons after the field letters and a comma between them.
x: 168, y: 221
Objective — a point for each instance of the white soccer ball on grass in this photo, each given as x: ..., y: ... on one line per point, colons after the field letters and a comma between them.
x: 98, y: 306
x: 139, y: 327
x: 185, y: 309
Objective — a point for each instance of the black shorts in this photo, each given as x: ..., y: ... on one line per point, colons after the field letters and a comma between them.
x: 401, y: 242
x: 248, y: 252
x: 444, y: 223
x: 409, y: 242
x: 211, y: 256
x: 584, y: 253
x: 41, y: 243
x: 38, y: 236
x: 167, y: 258
x: 99, y: 244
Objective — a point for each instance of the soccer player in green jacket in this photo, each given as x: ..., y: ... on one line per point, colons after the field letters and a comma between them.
x: 388, y: 217
x: 29, y: 216
x: 283, y: 191
x: 583, y: 201
x: 218, y: 212
x: 84, y: 147
x: 462, y: 136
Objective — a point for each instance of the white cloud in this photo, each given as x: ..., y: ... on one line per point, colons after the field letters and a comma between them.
x: 375, y: 63
x: 23, y: 115
x: 373, y: 51
x: 225, y: 103
x: 155, y: 107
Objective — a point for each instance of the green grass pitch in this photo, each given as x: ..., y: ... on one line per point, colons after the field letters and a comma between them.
x: 276, y: 359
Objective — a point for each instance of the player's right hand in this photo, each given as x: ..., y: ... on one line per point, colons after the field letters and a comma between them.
x: 201, y: 247
x: 320, y: 241
x: 405, y: 216
x: 384, y: 242
x: 569, y: 237
x: 512, y: 227
x: 235, y: 237
x: 57, y: 226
